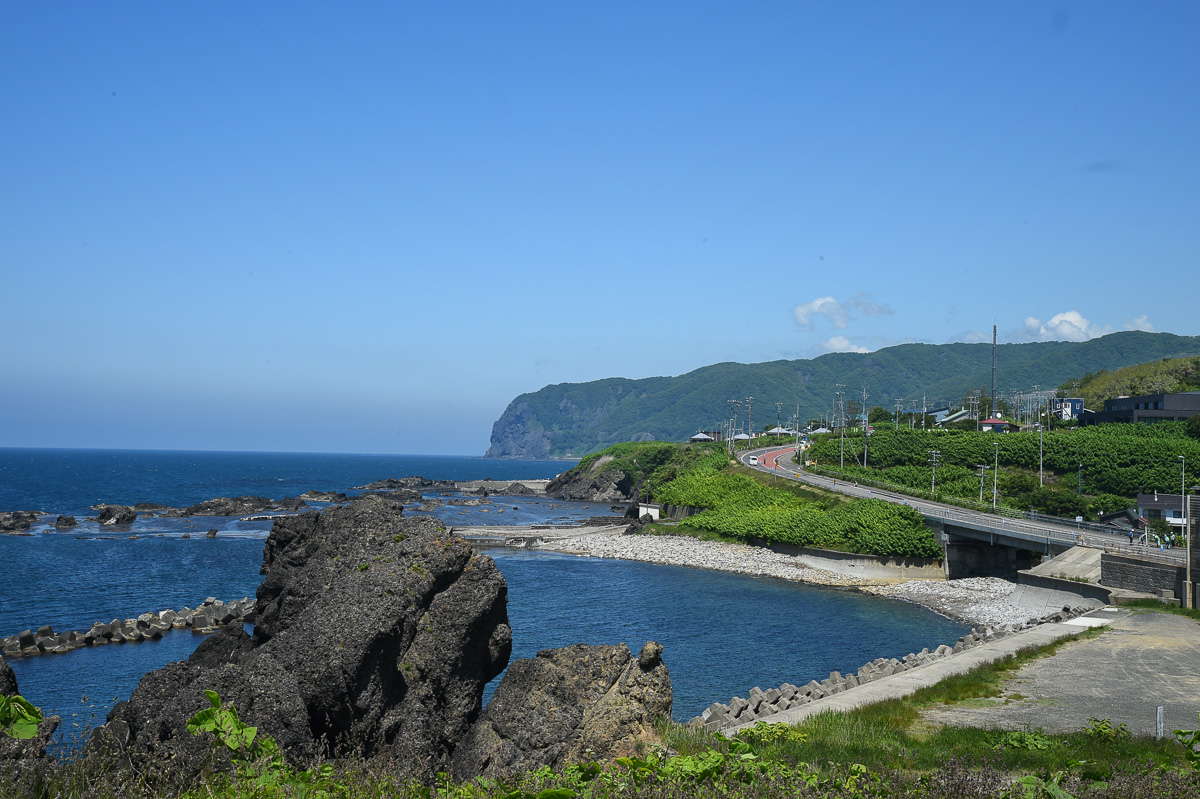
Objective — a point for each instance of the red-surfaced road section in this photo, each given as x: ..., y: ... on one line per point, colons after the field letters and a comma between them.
x: 767, y: 459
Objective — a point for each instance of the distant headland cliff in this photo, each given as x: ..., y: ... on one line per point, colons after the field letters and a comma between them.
x: 574, y: 419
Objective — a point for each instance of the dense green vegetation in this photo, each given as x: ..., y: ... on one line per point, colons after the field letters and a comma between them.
x: 1117, y: 461
x: 741, y: 507
x: 580, y: 418
x: 1168, y: 375
x: 880, y: 750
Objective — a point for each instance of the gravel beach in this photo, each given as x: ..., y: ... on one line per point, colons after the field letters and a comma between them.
x: 977, y: 600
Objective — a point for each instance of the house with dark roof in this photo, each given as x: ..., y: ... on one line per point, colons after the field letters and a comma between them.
x: 1148, y: 409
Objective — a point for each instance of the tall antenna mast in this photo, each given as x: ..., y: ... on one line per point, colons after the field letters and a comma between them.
x: 993, y: 371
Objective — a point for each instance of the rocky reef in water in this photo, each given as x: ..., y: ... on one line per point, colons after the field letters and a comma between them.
x: 375, y: 634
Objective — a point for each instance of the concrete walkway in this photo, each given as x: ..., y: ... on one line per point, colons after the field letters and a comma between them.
x: 909, y: 682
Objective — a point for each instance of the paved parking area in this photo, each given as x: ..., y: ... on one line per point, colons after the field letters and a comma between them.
x: 1142, y: 661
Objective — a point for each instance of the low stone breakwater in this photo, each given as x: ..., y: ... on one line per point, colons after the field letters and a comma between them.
x: 762, y: 704
x: 206, y: 618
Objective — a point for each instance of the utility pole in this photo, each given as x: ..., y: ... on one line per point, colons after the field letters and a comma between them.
x: 1040, y: 483
x: 934, y: 455
x: 778, y: 410
x: 993, y: 370
x: 749, y: 420
x: 842, y: 428
x: 866, y: 423
x: 899, y: 404
x: 981, y: 467
x: 995, y: 474
x: 924, y: 409
x: 1187, y: 531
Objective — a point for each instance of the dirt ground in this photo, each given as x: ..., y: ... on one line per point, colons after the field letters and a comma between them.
x: 1144, y: 660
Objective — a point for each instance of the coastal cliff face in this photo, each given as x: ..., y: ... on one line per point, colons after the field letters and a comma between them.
x: 576, y: 419
x: 374, y: 632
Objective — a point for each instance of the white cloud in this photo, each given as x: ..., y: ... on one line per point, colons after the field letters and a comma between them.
x: 838, y: 313
x: 1140, y: 323
x: 1066, y: 326
x: 828, y: 307
x: 841, y: 344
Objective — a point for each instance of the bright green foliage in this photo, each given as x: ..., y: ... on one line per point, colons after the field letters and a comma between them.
x: 1119, y: 460
x: 739, y: 507
x: 1190, y: 740
x: 1104, y: 730
x: 1018, y: 739
x: 1168, y: 375
x: 18, y: 718
x: 256, y: 756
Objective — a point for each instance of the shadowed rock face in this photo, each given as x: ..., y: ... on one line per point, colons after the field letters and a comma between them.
x: 567, y: 705
x: 8, y: 680
x: 23, y: 753
x: 610, y: 485
x: 372, y: 631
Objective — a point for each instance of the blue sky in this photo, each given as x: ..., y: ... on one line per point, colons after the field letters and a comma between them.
x: 366, y: 228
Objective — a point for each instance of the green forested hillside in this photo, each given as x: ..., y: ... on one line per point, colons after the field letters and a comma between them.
x: 580, y: 418
x: 1166, y: 375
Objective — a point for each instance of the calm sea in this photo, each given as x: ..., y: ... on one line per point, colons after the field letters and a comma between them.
x: 722, y: 633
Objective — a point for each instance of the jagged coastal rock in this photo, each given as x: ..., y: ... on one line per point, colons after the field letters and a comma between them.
x: 64, y: 522
x: 8, y: 680
x: 236, y: 506
x: 565, y: 706
x: 16, y: 521
x: 595, y: 484
x: 115, y: 514
x: 374, y: 633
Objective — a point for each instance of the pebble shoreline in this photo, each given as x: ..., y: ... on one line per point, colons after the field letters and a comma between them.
x: 976, y: 600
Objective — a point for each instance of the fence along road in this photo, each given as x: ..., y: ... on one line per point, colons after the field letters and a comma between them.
x: 1062, y: 535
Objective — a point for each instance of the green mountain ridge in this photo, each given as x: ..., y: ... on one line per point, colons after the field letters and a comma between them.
x: 575, y: 419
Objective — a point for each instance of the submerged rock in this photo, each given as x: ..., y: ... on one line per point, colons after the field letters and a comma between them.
x: 64, y: 522
x: 374, y: 633
x: 567, y: 705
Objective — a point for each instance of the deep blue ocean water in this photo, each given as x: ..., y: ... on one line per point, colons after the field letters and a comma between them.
x: 722, y: 633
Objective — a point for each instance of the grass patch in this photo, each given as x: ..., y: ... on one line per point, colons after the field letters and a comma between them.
x: 1162, y: 607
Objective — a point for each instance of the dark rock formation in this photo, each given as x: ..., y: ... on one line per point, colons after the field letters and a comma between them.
x: 226, y: 506
x: 516, y: 490
x: 16, y: 521
x: 373, y: 631
x: 402, y: 495
x: 8, y: 680
x: 567, y: 705
x: 416, y: 483
x: 115, y: 514
x: 23, y: 753
x: 313, y: 495
x: 64, y: 522
x: 596, y: 484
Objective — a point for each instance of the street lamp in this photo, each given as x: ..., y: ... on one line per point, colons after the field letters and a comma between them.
x: 1080, y: 480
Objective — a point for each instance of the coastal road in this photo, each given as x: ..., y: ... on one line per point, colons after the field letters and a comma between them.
x: 778, y: 461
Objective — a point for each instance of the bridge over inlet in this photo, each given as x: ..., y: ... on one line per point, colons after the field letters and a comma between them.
x: 979, y: 543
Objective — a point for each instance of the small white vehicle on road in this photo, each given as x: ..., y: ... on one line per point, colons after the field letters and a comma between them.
x: 752, y: 460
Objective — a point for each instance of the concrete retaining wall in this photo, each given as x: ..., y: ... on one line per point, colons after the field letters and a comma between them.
x: 871, y: 567
x: 1138, y: 575
x: 1087, y: 590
